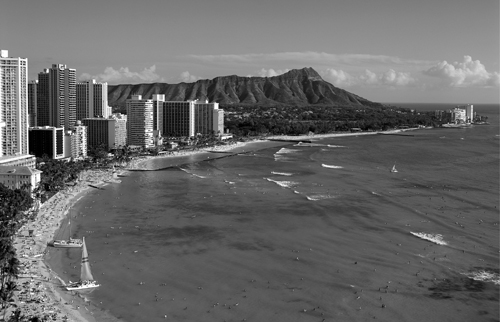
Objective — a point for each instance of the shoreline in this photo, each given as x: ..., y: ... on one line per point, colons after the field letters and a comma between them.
x: 39, y: 290
x: 141, y: 163
x: 36, y: 277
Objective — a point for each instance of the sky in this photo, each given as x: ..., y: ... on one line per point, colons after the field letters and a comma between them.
x: 425, y: 51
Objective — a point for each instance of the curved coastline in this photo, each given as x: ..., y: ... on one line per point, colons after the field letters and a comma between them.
x: 38, y: 277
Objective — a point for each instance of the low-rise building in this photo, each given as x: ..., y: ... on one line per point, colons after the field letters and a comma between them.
x: 17, y: 177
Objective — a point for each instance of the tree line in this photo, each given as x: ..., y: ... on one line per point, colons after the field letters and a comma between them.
x: 292, y: 120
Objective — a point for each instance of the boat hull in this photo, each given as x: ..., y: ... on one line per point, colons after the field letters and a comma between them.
x: 66, y: 244
x: 81, y: 287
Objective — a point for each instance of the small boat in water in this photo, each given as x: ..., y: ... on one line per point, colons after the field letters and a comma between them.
x: 86, y: 279
x: 67, y: 243
x: 394, y: 168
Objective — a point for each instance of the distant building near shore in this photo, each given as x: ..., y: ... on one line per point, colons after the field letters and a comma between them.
x: 468, y: 116
x: 460, y: 114
x: 110, y: 132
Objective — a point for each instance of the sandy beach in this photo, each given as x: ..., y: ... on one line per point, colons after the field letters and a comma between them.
x: 40, y: 291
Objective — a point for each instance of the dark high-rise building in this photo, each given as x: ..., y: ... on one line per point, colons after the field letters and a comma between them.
x: 32, y: 102
x: 46, y: 140
x: 56, y: 104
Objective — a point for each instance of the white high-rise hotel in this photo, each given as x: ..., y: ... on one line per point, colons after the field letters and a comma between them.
x: 13, y: 105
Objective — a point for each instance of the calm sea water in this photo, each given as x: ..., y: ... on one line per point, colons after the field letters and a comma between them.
x: 162, y: 236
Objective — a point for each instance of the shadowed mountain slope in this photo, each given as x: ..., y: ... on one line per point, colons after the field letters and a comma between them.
x: 298, y: 87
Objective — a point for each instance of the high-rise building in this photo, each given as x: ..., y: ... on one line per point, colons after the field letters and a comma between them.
x: 469, y: 112
x: 56, y: 104
x: 13, y: 105
x: 175, y: 118
x: 32, y: 102
x: 76, y: 142
x: 208, y: 118
x: 92, y: 100
x: 187, y: 118
x: 140, y: 122
x: 110, y: 132
x: 47, y: 141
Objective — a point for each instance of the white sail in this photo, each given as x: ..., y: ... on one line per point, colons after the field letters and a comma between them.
x: 394, y: 168
x: 86, y: 274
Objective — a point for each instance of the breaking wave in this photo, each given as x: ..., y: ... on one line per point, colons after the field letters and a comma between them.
x: 286, y: 151
x: 191, y: 173
x: 284, y: 154
x: 331, y: 166
x: 484, y: 276
x: 282, y: 173
x: 283, y: 184
x: 308, y: 144
x: 335, y: 146
x: 319, y: 197
x: 435, y: 238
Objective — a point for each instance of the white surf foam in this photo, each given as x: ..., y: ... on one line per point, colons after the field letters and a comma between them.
x: 308, y: 144
x: 331, y: 166
x: 287, y: 151
x: 282, y: 173
x: 484, y: 276
x: 284, y: 184
x: 335, y: 146
x: 435, y: 238
x: 319, y: 197
x: 193, y: 174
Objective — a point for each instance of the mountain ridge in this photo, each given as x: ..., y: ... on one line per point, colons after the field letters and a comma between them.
x: 297, y: 87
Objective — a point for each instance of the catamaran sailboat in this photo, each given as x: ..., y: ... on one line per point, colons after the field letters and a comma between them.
x: 394, y: 168
x: 86, y: 278
x: 70, y: 243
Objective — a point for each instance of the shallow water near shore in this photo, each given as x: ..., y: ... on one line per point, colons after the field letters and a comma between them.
x: 302, y: 232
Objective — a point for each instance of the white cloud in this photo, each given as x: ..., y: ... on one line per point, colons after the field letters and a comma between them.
x: 393, y: 78
x: 124, y: 75
x: 271, y: 72
x: 338, y: 77
x: 389, y: 78
x: 464, y: 74
x: 186, y: 77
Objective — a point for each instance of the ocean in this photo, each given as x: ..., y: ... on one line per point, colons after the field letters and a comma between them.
x: 303, y: 232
